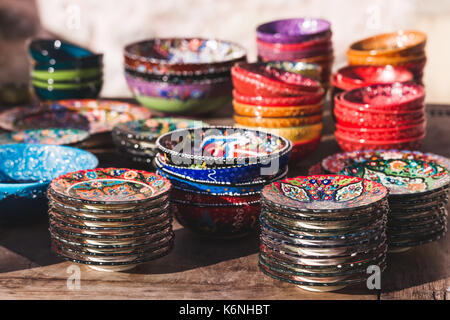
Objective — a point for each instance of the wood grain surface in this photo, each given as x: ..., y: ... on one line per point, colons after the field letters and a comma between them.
x: 200, y: 268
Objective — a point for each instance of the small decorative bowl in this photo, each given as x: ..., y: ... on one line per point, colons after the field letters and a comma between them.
x: 305, y: 45
x: 221, y: 146
x: 261, y: 79
x: 216, y: 221
x: 292, y: 30
x: 26, y: 171
x: 208, y: 199
x: 249, y: 110
x: 257, y: 100
x: 296, y: 134
x: 309, y: 70
x: 347, y: 144
x: 303, y: 149
x: 183, y: 56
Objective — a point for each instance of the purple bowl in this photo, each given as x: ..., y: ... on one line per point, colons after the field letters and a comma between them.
x: 284, y: 55
x: 292, y: 30
x: 196, y: 90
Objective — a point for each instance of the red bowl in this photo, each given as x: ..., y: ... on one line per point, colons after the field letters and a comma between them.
x: 290, y: 55
x: 351, y: 118
x: 325, y: 38
x: 385, y: 97
x: 217, y: 222
x: 382, y: 134
x: 303, y: 149
x: 362, y: 144
x: 258, y: 100
x: 193, y: 197
x: 352, y: 77
x: 261, y: 79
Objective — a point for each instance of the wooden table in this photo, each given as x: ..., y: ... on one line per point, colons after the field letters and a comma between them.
x: 199, y: 268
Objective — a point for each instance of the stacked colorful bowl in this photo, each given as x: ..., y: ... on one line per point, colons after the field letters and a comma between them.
x: 110, y: 219
x: 382, y: 116
x: 136, y: 140
x: 417, y: 215
x: 322, y: 232
x: 61, y: 70
x: 353, y: 77
x: 217, y: 174
x: 281, y: 102
x: 401, y: 48
x: 302, y: 39
x: 181, y: 76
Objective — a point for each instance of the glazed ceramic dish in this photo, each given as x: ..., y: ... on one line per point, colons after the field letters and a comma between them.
x: 221, y: 146
x: 56, y: 136
x: 183, y: 56
x: 313, y: 229
x: 94, y: 116
x: 26, y: 171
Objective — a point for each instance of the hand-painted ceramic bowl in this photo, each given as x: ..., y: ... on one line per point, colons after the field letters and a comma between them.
x: 403, y: 177
x: 217, y: 188
x: 56, y: 136
x: 261, y: 79
x: 217, y: 222
x: 347, y: 144
x: 293, y: 55
x: 296, y: 134
x: 222, y: 146
x: 257, y: 100
x: 337, y: 162
x: 227, y: 175
x: 183, y: 56
x: 292, y: 30
x: 386, y: 134
x: 208, y: 199
x: 26, y: 171
x: 352, y: 77
x: 394, y: 97
x: 49, y: 92
x: 397, y: 43
x: 112, y: 186
x: 279, y: 122
x: 70, y: 75
x: 51, y: 52
x: 249, y: 110
x: 309, y: 70
x: 327, y: 193
x: 304, y: 45
x: 177, y: 79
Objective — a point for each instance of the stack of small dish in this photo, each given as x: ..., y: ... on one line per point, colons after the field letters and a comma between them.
x: 302, y: 39
x: 136, y: 140
x: 322, y: 232
x: 401, y: 48
x: 418, y: 195
x: 281, y: 102
x: 181, y: 76
x: 353, y: 77
x: 418, y: 190
x: 383, y: 116
x: 110, y: 219
x: 25, y: 173
x: 64, y: 71
x: 217, y: 174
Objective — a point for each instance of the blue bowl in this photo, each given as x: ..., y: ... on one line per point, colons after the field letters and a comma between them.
x: 26, y: 171
x: 228, y: 175
x: 217, y: 189
x: 54, y: 51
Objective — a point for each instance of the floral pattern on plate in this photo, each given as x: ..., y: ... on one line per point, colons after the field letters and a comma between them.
x: 56, y: 136
x: 324, y: 192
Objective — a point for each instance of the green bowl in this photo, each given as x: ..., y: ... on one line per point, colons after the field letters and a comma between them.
x: 66, y: 85
x: 66, y: 75
x: 191, y: 106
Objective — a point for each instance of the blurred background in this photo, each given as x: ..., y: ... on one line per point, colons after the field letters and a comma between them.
x: 107, y: 26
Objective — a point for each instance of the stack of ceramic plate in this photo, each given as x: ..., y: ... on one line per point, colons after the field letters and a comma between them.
x: 418, y: 195
x: 380, y: 116
x: 217, y: 174
x: 61, y: 70
x: 401, y: 48
x: 136, y: 140
x: 302, y: 39
x: 110, y: 219
x: 322, y: 232
x: 181, y: 75
x: 281, y: 102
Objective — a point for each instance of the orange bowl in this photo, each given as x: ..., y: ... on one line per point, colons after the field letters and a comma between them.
x: 278, y: 122
x: 249, y: 110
